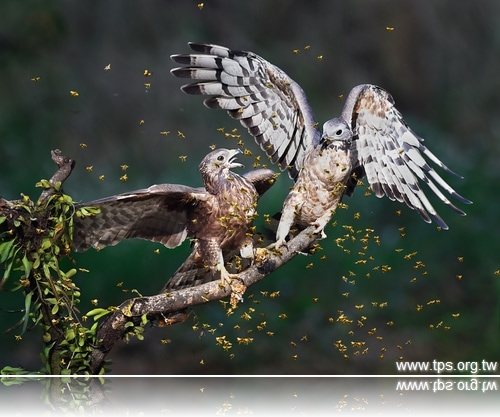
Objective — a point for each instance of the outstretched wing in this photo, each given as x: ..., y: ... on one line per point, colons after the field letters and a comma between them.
x: 159, y: 213
x: 392, y: 156
x: 262, y: 97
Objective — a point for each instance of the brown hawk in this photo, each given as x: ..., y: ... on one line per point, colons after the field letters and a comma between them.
x: 370, y: 138
x: 218, y: 217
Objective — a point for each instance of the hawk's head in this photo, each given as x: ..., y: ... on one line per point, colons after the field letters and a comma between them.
x: 219, y: 160
x: 218, y: 163
x: 336, y: 133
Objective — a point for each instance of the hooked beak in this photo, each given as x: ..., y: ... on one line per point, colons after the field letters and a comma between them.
x: 233, y: 154
x: 330, y: 139
x: 325, y: 138
x: 334, y: 142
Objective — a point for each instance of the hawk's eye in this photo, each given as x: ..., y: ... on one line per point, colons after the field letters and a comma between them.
x: 220, y: 158
x: 338, y: 132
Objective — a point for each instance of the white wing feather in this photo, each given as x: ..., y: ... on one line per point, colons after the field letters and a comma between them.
x: 270, y: 104
x: 277, y: 114
x: 392, y: 156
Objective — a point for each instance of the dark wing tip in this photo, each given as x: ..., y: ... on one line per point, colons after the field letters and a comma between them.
x: 426, y: 217
x: 211, y: 103
x: 440, y: 222
x: 181, y: 72
x: 461, y: 198
x: 180, y: 59
x: 199, y: 46
x: 443, y: 166
x: 191, y: 88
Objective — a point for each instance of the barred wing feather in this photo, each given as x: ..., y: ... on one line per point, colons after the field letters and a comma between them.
x: 393, y: 156
x: 272, y: 106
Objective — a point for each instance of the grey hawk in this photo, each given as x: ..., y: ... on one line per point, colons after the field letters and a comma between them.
x: 370, y: 138
x: 217, y: 217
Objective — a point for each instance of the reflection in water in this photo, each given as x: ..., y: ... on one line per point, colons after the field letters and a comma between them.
x: 249, y: 395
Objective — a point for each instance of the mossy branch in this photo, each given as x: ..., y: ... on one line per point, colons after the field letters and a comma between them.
x: 33, y: 237
x: 42, y: 238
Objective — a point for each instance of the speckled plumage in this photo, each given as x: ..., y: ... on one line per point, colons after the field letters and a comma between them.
x: 218, y: 217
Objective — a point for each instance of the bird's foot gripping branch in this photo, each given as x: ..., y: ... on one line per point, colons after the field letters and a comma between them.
x: 36, y: 240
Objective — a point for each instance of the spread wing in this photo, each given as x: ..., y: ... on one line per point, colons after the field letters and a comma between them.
x: 392, y: 156
x: 262, y: 97
x: 159, y: 213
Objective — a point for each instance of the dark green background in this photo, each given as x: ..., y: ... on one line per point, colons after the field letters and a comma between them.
x: 441, y: 63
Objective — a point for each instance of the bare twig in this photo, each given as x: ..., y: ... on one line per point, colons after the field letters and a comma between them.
x: 65, y: 165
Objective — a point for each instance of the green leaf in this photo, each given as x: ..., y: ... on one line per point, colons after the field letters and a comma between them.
x: 2, y: 219
x: 70, y: 334
x: 7, y: 271
x: 98, y: 313
x: 10, y: 371
x: 67, y: 199
x: 43, y: 184
x: 27, y: 309
x: 46, y: 271
x: 36, y: 260
x: 71, y: 273
x: 46, y: 243
x: 55, y: 309
x: 88, y: 211
x: 5, y: 250
x: 27, y: 266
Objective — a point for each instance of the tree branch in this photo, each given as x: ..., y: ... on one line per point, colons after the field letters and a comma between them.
x: 65, y: 165
x: 167, y: 307
x: 37, y: 230
x: 172, y: 306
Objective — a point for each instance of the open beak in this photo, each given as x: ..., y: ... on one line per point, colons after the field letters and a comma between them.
x: 233, y: 154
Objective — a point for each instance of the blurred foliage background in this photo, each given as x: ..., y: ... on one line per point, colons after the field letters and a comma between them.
x: 367, y: 299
